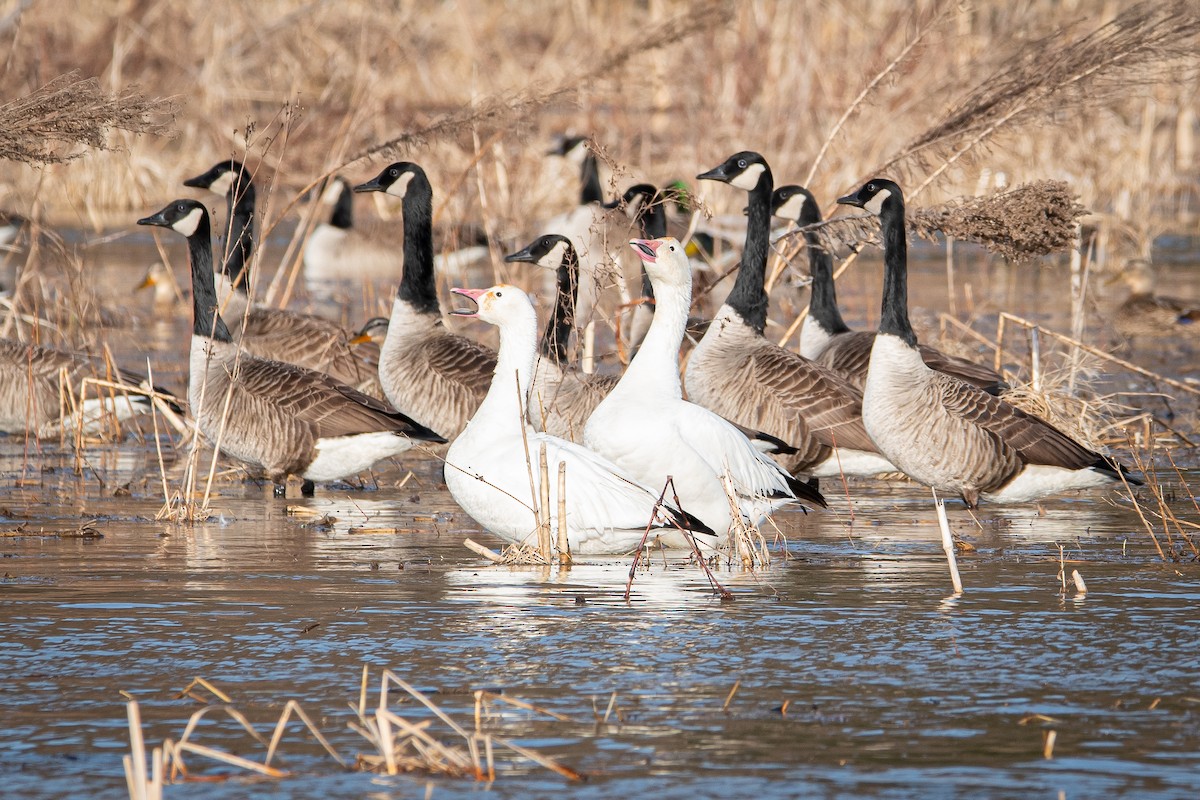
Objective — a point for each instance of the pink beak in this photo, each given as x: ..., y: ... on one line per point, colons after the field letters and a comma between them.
x: 646, y: 249
x: 472, y: 294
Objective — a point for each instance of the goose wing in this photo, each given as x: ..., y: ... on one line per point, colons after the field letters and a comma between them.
x: 1034, y: 440
x: 826, y: 404
x: 978, y: 375
x: 849, y: 355
x: 330, y: 408
x: 460, y: 371
x: 305, y: 340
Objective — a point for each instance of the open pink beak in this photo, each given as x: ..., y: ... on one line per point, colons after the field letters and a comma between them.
x: 646, y: 249
x: 473, y: 295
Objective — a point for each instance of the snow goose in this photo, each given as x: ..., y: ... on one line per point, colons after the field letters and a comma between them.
x: 279, y: 418
x: 487, y: 466
x: 737, y: 373
x: 32, y: 380
x: 943, y: 432
x: 562, y: 398
x: 648, y: 429
x: 825, y: 338
x: 274, y: 333
x: 436, y: 377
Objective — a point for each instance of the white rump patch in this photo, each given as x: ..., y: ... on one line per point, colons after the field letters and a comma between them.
x: 342, y: 456
x: 748, y: 178
x: 875, y: 204
x: 792, y: 208
x: 1039, y: 480
x: 400, y: 187
x: 187, y: 225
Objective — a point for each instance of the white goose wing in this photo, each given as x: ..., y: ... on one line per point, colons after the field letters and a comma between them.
x: 599, y: 497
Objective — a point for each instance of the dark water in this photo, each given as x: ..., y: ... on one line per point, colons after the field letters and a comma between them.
x: 858, y: 673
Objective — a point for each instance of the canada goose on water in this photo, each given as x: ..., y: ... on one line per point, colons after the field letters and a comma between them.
x: 34, y: 380
x: 644, y: 204
x: 337, y: 249
x: 561, y: 398
x: 436, y: 377
x: 648, y: 429
x: 825, y: 338
x: 943, y: 432
x: 280, y: 418
x: 1145, y: 313
x: 607, y: 511
x: 737, y: 373
x: 274, y: 333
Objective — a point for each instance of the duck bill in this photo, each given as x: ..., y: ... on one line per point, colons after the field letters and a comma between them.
x: 646, y: 249
x: 471, y: 294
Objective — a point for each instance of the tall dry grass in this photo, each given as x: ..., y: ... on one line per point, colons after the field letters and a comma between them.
x: 474, y: 89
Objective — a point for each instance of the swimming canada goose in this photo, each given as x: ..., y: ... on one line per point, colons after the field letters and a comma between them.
x: 737, y: 373
x: 486, y: 467
x: 280, y: 418
x: 274, y: 333
x: 648, y: 429
x: 825, y: 337
x: 1145, y: 313
x: 561, y: 398
x: 338, y: 249
x: 36, y: 384
x: 436, y: 377
x: 942, y: 432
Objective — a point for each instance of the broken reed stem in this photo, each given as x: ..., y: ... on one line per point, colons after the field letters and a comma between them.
x: 947, y: 543
x: 486, y: 552
x: 544, y: 540
x: 1080, y: 586
x: 564, y: 544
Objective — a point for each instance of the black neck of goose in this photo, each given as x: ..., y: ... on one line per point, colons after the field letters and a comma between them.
x: 591, y: 192
x: 823, y: 306
x: 558, y: 328
x: 749, y: 297
x: 654, y: 226
x: 240, y: 246
x: 204, y: 295
x: 417, y: 286
x: 343, y: 210
x: 894, y: 317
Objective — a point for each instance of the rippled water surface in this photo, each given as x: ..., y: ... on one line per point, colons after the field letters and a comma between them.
x: 857, y: 673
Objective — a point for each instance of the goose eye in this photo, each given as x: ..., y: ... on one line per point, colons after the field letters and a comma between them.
x: 741, y: 163
x: 499, y: 294
x: 870, y: 187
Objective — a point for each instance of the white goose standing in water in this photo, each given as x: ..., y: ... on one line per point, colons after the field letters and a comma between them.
x: 945, y: 433
x: 279, y: 418
x: 487, y: 471
x: 648, y: 429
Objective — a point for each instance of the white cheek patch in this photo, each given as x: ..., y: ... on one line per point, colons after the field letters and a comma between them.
x: 634, y: 206
x: 332, y: 193
x: 400, y: 187
x: 187, y: 225
x: 791, y: 208
x: 875, y: 204
x: 223, y: 184
x: 748, y: 179
x: 554, y: 256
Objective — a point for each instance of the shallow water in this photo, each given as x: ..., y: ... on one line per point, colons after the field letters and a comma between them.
x: 857, y: 672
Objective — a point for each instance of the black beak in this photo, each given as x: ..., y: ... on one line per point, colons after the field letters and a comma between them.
x: 714, y: 174
x: 198, y: 182
x: 158, y: 219
x: 373, y: 185
x: 612, y: 204
x: 850, y: 200
x: 525, y: 255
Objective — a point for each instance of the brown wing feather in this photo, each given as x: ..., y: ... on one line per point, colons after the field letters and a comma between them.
x: 457, y: 373
x: 849, y: 355
x: 306, y: 341
x: 830, y: 407
x: 1035, y: 440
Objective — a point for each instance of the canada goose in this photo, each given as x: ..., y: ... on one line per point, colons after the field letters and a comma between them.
x: 743, y: 377
x: 35, y: 381
x: 561, y: 399
x: 436, y: 377
x: 338, y: 249
x: 644, y: 204
x: 942, y: 432
x: 1145, y: 313
x: 274, y: 333
x: 825, y: 338
x: 280, y: 418
x: 11, y: 225
x: 486, y: 467
x: 648, y: 429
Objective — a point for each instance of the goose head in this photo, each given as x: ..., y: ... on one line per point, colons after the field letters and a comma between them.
x: 396, y: 179
x: 1137, y: 275
x: 548, y: 251
x: 875, y: 195
x: 182, y: 216
x: 500, y: 305
x: 745, y: 170
x: 221, y: 178
x: 572, y: 148
x: 373, y: 330
x: 664, y: 260
x: 334, y: 190
x: 635, y: 199
x: 796, y: 204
